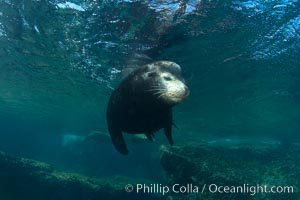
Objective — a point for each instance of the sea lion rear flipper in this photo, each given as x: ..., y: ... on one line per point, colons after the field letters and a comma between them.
x: 168, y: 133
x: 119, y: 142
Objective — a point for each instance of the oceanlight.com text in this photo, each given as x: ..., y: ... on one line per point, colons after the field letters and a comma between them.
x: 210, y: 188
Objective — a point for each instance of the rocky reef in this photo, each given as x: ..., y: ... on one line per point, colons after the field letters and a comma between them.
x: 22, y: 178
x: 210, y: 166
x: 201, y: 171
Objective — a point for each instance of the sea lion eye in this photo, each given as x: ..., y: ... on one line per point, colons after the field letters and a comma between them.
x: 151, y: 74
x: 167, y: 78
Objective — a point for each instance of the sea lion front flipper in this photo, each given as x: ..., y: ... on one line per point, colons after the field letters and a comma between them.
x: 168, y: 133
x: 150, y: 136
x: 119, y: 142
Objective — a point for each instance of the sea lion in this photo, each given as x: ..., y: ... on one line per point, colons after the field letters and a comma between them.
x: 143, y: 101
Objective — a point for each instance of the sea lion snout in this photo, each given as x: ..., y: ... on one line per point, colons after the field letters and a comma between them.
x: 175, y: 90
x: 186, y: 91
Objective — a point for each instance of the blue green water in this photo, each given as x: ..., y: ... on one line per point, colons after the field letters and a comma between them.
x: 60, y: 61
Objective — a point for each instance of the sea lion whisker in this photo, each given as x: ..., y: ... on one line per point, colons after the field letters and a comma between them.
x: 162, y: 90
x: 157, y: 89
x: 158, y: 93
x: 161, y: 95
x: 155, y: 86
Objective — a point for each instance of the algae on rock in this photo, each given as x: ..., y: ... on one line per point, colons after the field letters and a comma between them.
x: 246, y: 166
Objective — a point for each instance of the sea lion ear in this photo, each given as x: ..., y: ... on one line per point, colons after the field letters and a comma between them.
x: 134, y: 62
x: 151, y: 74
x: 148, y: 75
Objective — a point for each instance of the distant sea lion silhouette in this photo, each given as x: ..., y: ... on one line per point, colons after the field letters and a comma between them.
x: 142, y: 103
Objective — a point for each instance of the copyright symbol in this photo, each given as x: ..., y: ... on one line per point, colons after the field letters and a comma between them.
x: 129, y: 188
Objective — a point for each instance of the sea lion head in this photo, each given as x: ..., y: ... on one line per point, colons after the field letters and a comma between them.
x: 164, y: 82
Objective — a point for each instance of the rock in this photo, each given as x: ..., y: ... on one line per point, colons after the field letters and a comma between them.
x: 22, y: 178
x: 244, y: 166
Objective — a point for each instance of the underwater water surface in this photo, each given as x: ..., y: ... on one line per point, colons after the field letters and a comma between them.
x: 61, y: 60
